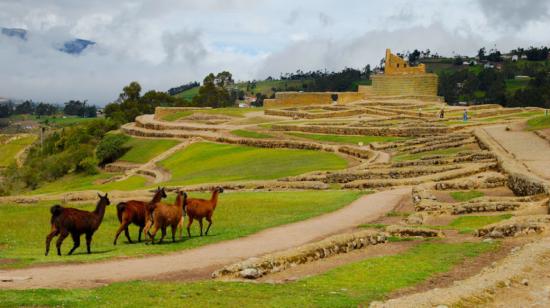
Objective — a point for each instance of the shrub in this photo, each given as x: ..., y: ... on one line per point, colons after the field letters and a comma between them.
x: 88, y: 165
x: 110, y: 148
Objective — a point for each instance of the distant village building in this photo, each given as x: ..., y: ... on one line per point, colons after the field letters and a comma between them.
x: 515, y: 58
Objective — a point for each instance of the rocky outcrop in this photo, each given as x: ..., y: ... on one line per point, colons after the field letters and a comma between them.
x: 407, y: 231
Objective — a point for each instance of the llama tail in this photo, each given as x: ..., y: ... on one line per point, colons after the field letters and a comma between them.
x: 56, y: 210
x: 120, y: 209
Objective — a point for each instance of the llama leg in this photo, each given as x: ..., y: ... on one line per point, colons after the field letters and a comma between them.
x: 163, y: 230
x: 189, y: 226
x: 209, y: 219
x: 127, y: 233
x: 174, y: 229
x: 148, y: 225
x: 60, y: 239
x: 89, y: 241
x: 139, y: 234
x: 76, y: 240
x: 49, y: 238
x: 123, y: 226
x: 152, y: 235
x: 200, y: 224
x: 180, y: 227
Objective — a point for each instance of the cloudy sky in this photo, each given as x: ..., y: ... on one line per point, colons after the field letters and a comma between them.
x: 165, y: 43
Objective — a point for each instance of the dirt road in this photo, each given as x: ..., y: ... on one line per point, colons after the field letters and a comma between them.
x: 184, y: 263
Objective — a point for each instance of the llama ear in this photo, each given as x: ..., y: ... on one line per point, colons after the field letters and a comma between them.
x: 106, y: 195
x: 98, y: 195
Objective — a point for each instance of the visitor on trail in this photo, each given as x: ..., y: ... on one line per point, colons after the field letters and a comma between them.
x: 465, y: 117
x: 419, y: 112
x: 441, y: 113
x: 546, y: 112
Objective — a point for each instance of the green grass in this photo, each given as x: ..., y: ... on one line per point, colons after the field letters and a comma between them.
x: 250, y: 134
x: 142, y: 150
x: 466, y: 195
x: 177, y: 115
x: 468, y: 224
x: 541, y: 122
x: 214, y: 163
x: 9, y: 150
x: 189, y: 94
x: 512, y: 85
x: 350, y: 285
x: 526, y: 114
x: 443, y: 152
x: 346, y: 138
x: 237, y: 215
x: 77, y: 182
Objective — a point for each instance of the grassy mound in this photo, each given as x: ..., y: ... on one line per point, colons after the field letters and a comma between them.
x: 468, y: 224
x: 463, y: 196
x: 346, y: 138
x: 237, y: 215
x: 77, y: 182
x: 537, y: 123
x: 346, y: 286
x: 9, y: 150
x: 250, y: 134
x: 211, y: 162
x: 142, y: 150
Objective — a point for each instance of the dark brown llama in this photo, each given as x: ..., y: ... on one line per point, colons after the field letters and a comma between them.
x: 137, y: 213
x: 201, y: 208
x: 66, y: 220
x: 166, y: 215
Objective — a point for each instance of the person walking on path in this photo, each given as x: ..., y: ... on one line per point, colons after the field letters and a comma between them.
x: 465, y: 116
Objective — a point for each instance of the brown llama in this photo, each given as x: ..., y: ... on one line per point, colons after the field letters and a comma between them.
x: 165, y: 215
x: 201, y: 208
x: 66, y: 220
x: 137, y: 213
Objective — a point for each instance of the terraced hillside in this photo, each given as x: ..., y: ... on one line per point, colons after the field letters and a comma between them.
x: 370, y: 202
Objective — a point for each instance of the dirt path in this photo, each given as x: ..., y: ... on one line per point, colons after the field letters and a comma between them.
x: 365, y: 209
x: 526, y: 147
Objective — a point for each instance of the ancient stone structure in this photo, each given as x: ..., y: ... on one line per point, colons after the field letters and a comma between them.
x: 400, y: 80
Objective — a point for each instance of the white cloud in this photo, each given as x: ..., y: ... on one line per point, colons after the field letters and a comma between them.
x: 166, y: 43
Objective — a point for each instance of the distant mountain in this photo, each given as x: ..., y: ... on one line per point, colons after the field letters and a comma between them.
x: 73, y: 47
x: 15, y: 32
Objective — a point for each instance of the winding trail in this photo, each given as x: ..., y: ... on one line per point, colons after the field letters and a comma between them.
x: 204, y: 259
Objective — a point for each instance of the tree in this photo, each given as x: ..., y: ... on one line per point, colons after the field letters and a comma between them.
x: 481, y: 54
x: 214, y: 91
x: 26, y: 107
x: 45, y: 109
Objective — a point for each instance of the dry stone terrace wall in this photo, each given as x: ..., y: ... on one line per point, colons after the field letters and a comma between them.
x: 288, y: 99
x: 257, y: 267
x: 399, y: 85
x: 382, y: 131
x: 519, y: 225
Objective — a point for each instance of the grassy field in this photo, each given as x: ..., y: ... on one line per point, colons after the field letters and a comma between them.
x: 468, y: 224
x: 250, y: 134
x: 350, y: 285
x: 345, y: 138
x: 58, y: 120
x: 210, y: 162
x: 466, y: 195
x: 541, y: 122
x: 9, y: 150
x: 142, y: 150
x: 189, y: 94
x: 230, y: 111
x: 76, y: 182
x: 443, y: 152
x: 177, y: 115
x: 237, y: 215
x: 512, y: 85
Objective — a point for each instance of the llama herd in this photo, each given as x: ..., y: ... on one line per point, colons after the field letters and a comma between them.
x: 148, y: 216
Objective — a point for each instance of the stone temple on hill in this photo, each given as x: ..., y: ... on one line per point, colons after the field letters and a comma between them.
x: 400, y: 80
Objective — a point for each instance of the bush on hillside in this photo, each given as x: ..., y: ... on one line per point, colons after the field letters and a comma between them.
x: 110, y: 148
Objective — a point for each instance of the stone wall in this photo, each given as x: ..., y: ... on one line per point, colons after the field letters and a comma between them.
x: 257, y: 267
x: 399, y: 85
x: 290, y: 99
